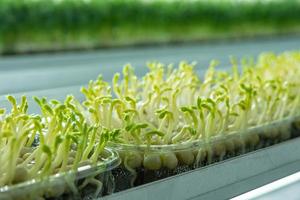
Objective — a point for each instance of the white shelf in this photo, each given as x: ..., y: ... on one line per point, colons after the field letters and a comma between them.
x: 285, y: 188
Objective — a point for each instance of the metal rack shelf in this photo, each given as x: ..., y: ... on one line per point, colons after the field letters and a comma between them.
x: 223, y: 180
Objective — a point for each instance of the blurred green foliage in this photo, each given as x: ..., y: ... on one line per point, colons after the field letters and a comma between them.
x: 32, y: 25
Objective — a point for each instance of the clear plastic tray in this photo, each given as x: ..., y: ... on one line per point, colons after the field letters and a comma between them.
x: 143, y: 164
x: 67, y: 185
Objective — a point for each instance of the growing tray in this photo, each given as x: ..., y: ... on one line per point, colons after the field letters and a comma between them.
x: 223, y: 180
x: 196, y: 154
x: 65, y: 185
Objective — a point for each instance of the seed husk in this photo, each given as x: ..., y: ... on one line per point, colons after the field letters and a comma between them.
x: 134, y: 159
x: 254, y: 141
x: 229, y: 145
x: 285, y: 132
x: 169, y: 160
x: 238, y: 144
x: 152, y: 161
x: 185, y: 157
x: 21, y: 175
x: 219, y: 149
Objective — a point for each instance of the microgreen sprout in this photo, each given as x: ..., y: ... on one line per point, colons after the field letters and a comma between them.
x: 166, y: 106
x: 175, y: 102
x: 66, y: 141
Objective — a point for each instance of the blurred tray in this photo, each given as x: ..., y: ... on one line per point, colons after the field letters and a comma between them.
x: 55, y: 185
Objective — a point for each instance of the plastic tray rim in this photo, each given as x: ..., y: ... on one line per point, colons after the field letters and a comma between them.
x: 199, y: 142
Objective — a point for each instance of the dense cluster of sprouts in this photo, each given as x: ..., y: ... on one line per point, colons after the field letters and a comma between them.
x: 173, y: 105
x: 57, y: 141
x: 166, y: 106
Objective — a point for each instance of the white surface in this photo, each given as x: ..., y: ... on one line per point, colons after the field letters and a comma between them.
x: 285, y: 188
